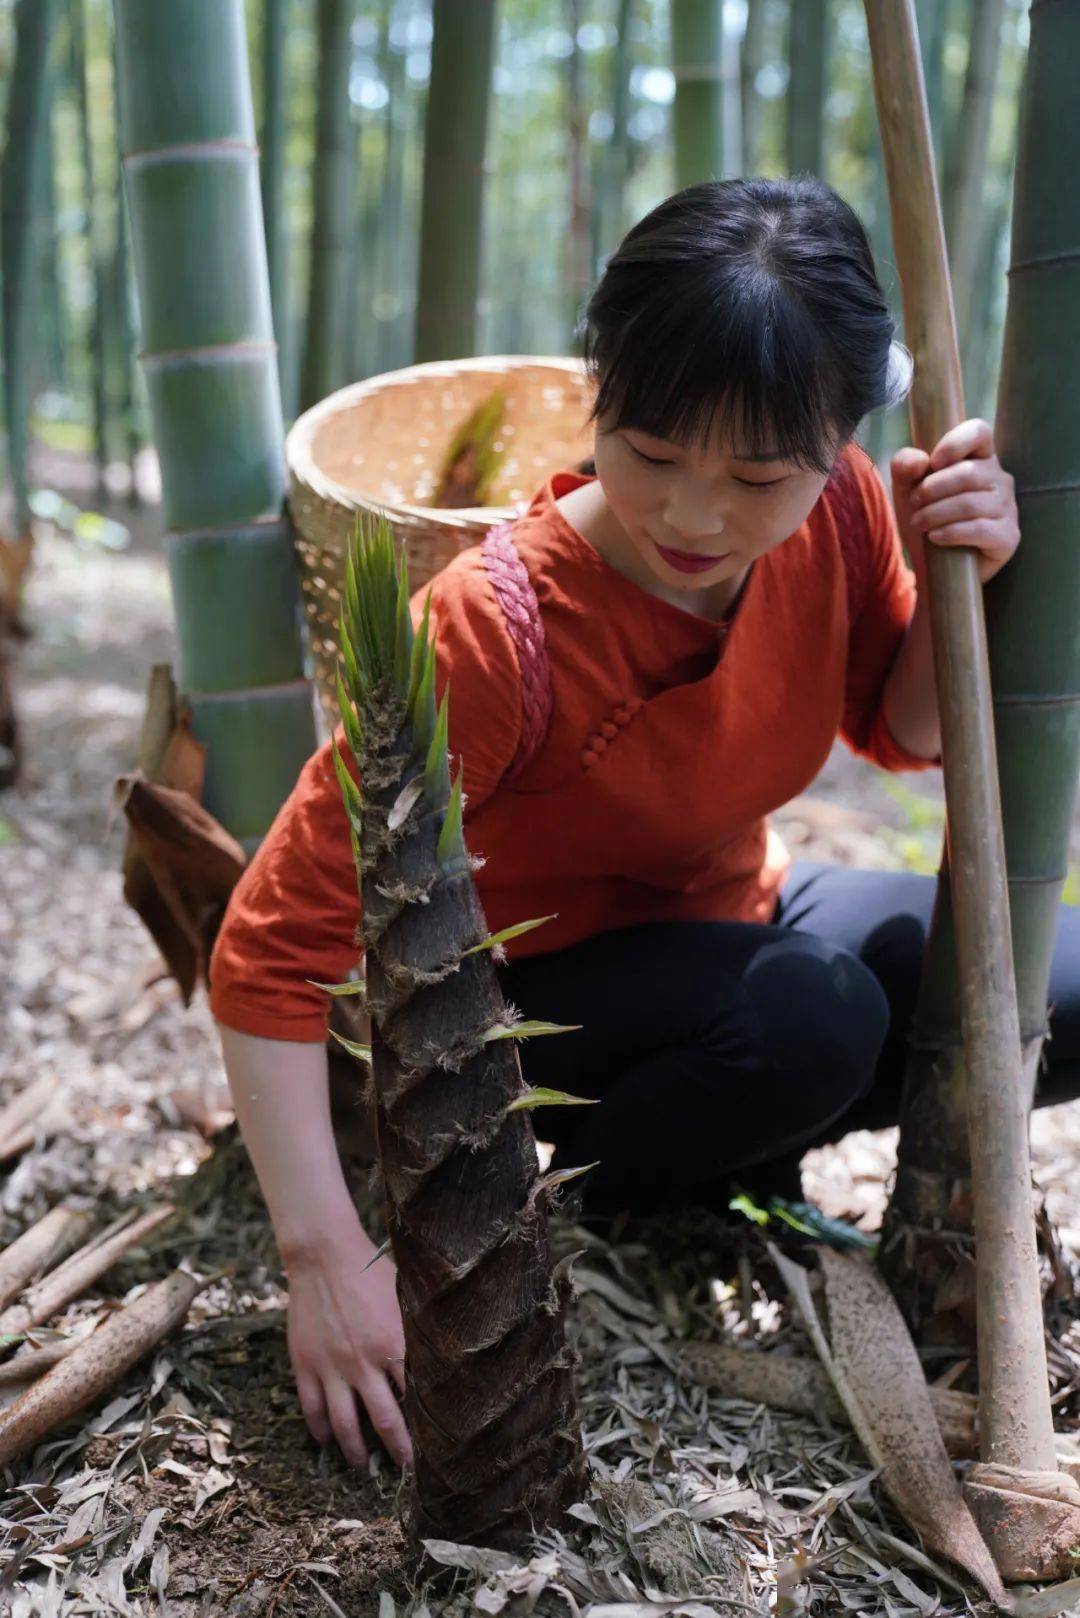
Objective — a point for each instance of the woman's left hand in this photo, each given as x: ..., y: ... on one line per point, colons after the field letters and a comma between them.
x: 959, y: 494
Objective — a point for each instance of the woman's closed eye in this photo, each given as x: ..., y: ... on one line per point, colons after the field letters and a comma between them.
x: 746, y: 483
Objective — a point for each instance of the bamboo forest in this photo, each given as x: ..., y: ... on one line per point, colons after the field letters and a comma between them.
x: 539, y: 854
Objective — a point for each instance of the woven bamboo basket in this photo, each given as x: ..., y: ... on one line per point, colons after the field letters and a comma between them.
x: 377, y: 446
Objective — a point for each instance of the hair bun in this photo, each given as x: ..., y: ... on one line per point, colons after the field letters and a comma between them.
x: 900, y: 372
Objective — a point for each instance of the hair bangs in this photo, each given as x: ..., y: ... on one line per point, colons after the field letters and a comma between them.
x: 744, y: 313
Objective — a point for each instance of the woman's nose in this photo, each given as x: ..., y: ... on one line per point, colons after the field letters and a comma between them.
x: 693, y: 518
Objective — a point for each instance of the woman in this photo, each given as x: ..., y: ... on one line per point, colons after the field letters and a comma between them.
x: 722, y: 598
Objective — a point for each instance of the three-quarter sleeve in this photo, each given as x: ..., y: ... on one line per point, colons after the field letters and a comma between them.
x: 295, y: 913
x: 882, y: 601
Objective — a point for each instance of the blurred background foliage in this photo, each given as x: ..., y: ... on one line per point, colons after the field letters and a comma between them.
x: 580, y: 144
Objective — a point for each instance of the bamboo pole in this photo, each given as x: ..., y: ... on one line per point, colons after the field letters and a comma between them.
x: 1014, y: 1403
x: 697, y: 114
x: 99, y: 389
x: 328, y: 283
x: 452, y: 201
x: 272, y: 156
x: 808, y: 53
x: 752, y: 60
x: 1016, y: 1427
x: 23, y: 149
x: 965, y: 172
x: 191, y: 167
x: 615, y: 162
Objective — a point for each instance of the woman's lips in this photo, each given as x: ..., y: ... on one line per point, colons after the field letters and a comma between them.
x: 690, y: 564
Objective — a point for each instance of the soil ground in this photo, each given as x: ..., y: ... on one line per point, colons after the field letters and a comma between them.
x: 194, y: 1487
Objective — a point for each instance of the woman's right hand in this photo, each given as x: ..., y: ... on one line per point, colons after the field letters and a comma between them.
x: 346, y: 1338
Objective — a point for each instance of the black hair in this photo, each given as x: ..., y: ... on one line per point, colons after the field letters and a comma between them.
x: 746, y: 304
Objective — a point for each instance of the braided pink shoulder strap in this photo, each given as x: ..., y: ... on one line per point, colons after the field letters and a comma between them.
x: 515, y: 594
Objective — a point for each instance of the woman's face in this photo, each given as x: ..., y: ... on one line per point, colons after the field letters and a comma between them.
x: 715, y: 503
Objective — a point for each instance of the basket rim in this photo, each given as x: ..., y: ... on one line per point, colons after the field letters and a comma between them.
x: 304, y: 470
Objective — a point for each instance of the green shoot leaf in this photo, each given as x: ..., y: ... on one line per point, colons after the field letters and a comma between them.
x: 515, y: 931
x: 419, y: 651
x: 349, y: 719
x: 560, y: 1176
x: 450, y: 850
x: 352, y: 987
x: 354, y: 803
x: 437, y: 764
x: 403, y: 632
x: 527, y: 1030
x: 354, y: 1048
x: 424, y: 716
x: 542, y: 1097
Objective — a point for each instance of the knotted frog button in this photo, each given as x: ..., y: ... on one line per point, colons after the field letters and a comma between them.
x: 588, y: 757
x: 621, y: 715
x: 608, y: 729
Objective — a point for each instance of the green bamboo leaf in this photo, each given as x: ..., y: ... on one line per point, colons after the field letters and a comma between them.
x: 403, y: 632
x: 419, y: 652
x: 437, y: 763
x: 355, y: 680
x: 543, y: 1097
x: 424, y: 714
x: 351, y: 986
x: 527, y: 1030
x: 450, y: 850
x: 506, y: 933
x: 384, y: 1247
x: 387, y: 597
x: 361, y: 1052
x: 358, y: 609
x: 354, y: 803
x: 350, y: 720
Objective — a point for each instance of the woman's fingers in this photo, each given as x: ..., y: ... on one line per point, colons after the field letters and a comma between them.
x: 313, y: 1404
x: 396, y: 1368
x: 344, y: 1419
x: 386, y: 1417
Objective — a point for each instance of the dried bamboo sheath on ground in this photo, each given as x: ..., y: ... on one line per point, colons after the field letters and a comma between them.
x: 489, y: 1395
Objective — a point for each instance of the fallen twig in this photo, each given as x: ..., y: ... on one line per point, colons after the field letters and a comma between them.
x: 97, y: 1362
x: 24, y: 1120
x: 73, y: 1277
x: 38, y: 1248
x: 792, y: 1382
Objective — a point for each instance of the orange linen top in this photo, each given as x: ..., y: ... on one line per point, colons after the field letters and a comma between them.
x: 671, y: 739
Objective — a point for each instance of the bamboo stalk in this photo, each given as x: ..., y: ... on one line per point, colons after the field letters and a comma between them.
x: 96, y: 1362
x: 1014, y: 1400
x: 451, y: 207
x: 328, y: 282
x: 795, y: 1383
x: 272, y: 142
x: 40, y: 1247
x: 23, y: 151
x: 965, y: 174
x: 72, y: 1278
x: 808, y: 57
x: 697, y: 114
x: 208, y: 354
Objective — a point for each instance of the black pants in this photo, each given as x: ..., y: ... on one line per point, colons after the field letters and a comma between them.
x: 723, y: 1049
